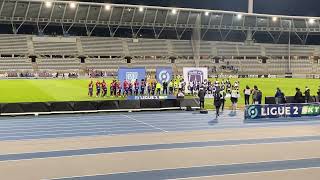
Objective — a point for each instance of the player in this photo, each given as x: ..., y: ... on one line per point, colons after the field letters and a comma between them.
x: 119, y: 89
x: 158, y: 87
x: 142, y: 87
x: 126, y: 88
x: 90, y: 93
x: 104, y: 88
x: 130, y: 88
x: 149, y: 87
x: 136, y: 87
x: 234, y: 98
x: 223, y: 95
x: 153, y: 88
x: 98, y: 88
x: 171, y: 87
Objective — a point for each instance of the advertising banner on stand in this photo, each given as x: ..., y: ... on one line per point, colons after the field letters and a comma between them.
x: 164, y: 74
x: 195, y: 74
x: 282, y: 111
x: 131, y: 74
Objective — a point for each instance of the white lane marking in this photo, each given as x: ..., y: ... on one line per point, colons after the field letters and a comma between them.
x: 154, y: 127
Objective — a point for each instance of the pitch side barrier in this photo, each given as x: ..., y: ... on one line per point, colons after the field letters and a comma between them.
x: 282, y: 112
x: 70, y: 107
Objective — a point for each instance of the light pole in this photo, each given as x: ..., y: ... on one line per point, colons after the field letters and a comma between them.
x: 289, y: 48
x: 250, y: 10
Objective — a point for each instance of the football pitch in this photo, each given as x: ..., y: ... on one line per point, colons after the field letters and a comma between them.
x: 47, y: 90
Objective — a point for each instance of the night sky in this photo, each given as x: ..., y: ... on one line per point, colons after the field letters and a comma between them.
x: 284, y: 7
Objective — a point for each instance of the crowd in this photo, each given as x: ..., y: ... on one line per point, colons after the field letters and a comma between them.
x: 220, y: 91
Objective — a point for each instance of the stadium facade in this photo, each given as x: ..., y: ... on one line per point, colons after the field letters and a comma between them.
x: 69, y: 38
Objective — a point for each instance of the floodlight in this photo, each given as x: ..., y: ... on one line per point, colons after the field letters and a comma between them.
x: 274, y: 19
x: 140, y: 9
x: 239, y: 16
x: 107, y: 7
x: 312, y: 21
x: 206, y: 13
x: 48, y: 4
x: 174, y: 11
x: 73, y: 5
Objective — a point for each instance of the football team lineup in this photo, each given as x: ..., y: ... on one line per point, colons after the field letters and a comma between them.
x: 47, y: 90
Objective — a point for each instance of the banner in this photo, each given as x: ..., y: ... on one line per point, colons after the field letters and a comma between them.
x: 150, y: 97
x: 282, y: 111
x: 195, y: 74
x: 164, y: 74
x: 131, y: 74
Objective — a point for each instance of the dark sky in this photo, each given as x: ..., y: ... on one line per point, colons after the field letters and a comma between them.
x: 285, y: 7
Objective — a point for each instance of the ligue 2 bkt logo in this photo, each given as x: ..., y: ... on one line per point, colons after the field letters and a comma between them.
x: 252, y: 112
x: 164, y: 76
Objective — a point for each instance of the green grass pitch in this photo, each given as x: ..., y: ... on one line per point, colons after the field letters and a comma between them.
x: 45, y: 90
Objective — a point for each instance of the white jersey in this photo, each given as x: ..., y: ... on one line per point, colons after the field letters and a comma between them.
x: 235, y: 94
x: 247, y: 91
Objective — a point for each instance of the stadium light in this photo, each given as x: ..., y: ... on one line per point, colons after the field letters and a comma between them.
x: 239, y: 16
x: 274, y: 19
x: 107, y: 7
x: 140, y: 9
x: 206, y: 13
x: 48, y: 4
x: 72, y: 5
x: 174, y: 11
x: 312, y: 21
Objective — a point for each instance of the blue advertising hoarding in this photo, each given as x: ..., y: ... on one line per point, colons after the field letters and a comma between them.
x: 164, y: 74
x: 151, y: 97
x: 282, y: 111
x: 131, y: 74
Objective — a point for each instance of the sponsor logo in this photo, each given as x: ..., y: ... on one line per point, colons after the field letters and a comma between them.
x: 253, y: 112
x: 311, y: 110
x: 195, y: 75
x: 132, y: 76
x: 150, y: 97
x: 164, y: 76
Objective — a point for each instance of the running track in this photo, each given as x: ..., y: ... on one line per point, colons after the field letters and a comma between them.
x: 157, y: 145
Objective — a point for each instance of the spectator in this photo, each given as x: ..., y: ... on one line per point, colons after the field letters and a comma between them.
x: 298, y: 98
x: 255, y: 95
x: 259, y: 96
x: 201, y: 95
x: 307, y: 96
x: 278, y: 96
x: 247, y: 93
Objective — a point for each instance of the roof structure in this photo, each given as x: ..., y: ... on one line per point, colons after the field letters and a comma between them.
x: 70, y: 14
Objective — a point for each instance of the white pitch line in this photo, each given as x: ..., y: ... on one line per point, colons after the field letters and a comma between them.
x: 145, y: 123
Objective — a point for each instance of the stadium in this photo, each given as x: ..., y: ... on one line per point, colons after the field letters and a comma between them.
x: 100, y: 90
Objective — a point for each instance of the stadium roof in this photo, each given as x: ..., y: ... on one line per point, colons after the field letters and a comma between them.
x: 69, y: 14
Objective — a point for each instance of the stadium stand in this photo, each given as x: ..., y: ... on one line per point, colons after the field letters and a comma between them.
x: 107, y: 54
